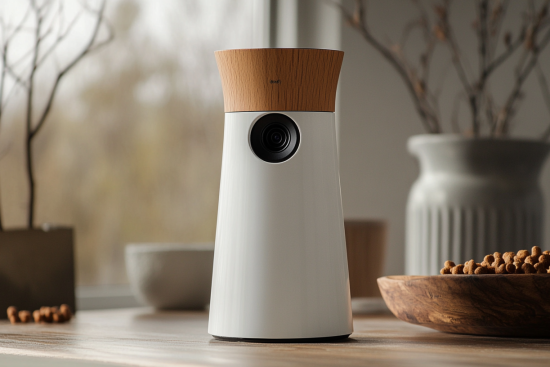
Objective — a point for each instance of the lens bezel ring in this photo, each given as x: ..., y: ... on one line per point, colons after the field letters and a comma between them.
x: 268, y: 123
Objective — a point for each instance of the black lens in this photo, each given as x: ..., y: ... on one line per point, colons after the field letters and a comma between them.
x: 276, y: 137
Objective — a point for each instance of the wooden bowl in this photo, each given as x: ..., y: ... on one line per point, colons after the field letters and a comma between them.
x: 516, y: 305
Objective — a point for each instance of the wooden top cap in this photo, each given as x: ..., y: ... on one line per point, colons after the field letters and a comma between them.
x: 279, y: 79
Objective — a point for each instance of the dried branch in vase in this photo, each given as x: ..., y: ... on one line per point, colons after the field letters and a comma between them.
x: 487, y: 116
x: 41, y: 20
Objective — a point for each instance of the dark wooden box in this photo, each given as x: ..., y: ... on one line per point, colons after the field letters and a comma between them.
x: 366, y: 246
x: 36, y: 269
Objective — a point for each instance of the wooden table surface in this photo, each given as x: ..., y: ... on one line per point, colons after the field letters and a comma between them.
x: 142, y: 337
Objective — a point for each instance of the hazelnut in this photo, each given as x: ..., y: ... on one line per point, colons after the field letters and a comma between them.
x: 11, y: 311
x: 536, y: 251
x: 518, y: 259
x: 66, y: 311
x: 531, y: 259
x: 47, y: 314
x: 449, y: 264
x: 444, y: 271
x: 508, y: 255
x: 489, y: 259
x: 498, y: 261
x: 14, y: 319
x: 528, y: 268
x: 459, y: 269
x: 501, y: 269
x: 24, y: 316
x: 480, y: 270
x: 510, y: 268
x: 471, y: 265
x: 37, y: 316
x: 488, y: 266
x: 497, y: 255
x: 522, y: 254
x: 58, y: 317
x: 540, y: 268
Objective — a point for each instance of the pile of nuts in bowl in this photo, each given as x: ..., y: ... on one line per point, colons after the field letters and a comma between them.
x: 524, y: 262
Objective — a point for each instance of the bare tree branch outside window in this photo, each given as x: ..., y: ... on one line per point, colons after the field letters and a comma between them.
x: 41, y: 18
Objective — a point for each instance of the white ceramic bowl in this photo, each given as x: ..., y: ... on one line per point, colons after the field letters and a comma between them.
x: 171, y: 276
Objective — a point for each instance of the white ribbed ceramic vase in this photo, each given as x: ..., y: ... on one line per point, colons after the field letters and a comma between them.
x: 473, y: 197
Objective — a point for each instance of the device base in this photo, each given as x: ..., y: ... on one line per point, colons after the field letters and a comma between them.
x: 325, y: 339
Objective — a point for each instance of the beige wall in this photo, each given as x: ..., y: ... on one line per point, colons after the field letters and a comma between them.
x: 377, y: 117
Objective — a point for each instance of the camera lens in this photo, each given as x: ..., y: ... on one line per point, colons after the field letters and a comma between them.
x: 274, y: 138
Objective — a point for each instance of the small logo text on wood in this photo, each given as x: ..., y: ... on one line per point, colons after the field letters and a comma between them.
x: 278, y: 81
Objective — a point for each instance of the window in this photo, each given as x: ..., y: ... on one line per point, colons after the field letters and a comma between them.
x: 132, y: 149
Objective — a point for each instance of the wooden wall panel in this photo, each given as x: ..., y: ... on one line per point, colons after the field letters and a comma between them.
x: 366, y: 246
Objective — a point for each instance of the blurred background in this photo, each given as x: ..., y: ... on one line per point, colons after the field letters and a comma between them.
x: 132, y: 149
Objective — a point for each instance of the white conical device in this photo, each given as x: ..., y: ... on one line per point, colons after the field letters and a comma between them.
x: 280, y: 263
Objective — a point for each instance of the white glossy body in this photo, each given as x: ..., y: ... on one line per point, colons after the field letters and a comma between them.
x: 280, y: 263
